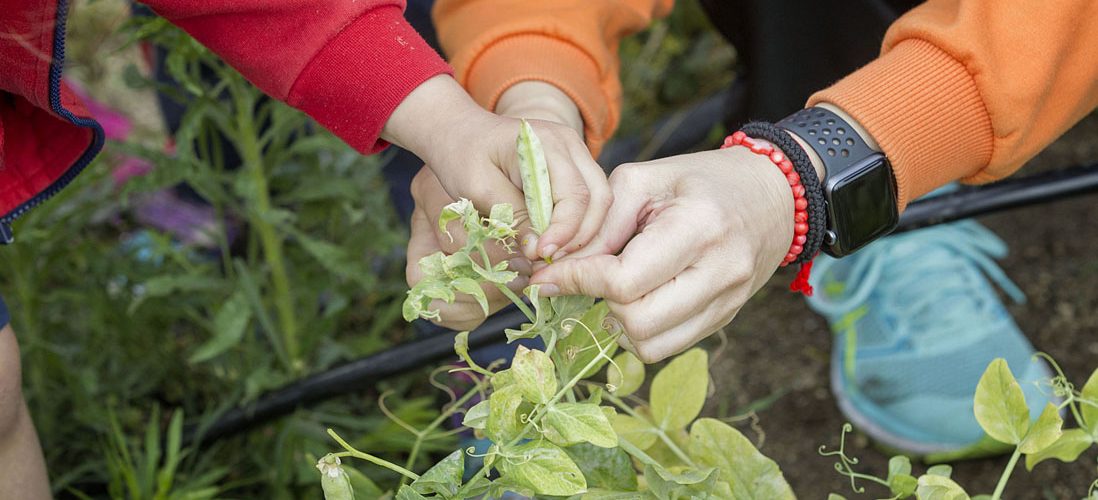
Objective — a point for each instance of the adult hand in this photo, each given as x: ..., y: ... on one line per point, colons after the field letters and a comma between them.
x: 473, y: 154
x: 531, y: 100
x: 698, y: 235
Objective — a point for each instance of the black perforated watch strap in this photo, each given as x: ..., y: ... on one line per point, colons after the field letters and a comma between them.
x: 837, y: 143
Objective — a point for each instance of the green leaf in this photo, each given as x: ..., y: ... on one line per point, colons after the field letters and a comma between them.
x: 544, y: 468
x: 362, y: 485
x: 504, y: 424
x: 477, y: 416
x: 900, y: 481
x: 444, y: 478
x: 944, y: 470
x: 571, y: 423
x: 463, y: 210
x: 638, y: 432
x: 608, y: 468
x: 751, y: 474
x: 502, y: 378
x: 469, y: 286
x: 629, y: 378
x: 679, y: 390
x: 601, y: 494
x: 933, y: 487
x: 903, y: 485
x: 579, y: 346
x: 1000, y: 405
x: 1089, y: 405
x: 228, y: 328
x: 1045, y: 430
x: 501, y: 223
x: 835, y: 496
x: 407, y: 493
x: 535, y: 178
x: 534, y: 374
x: 688, y: 484
x: 1071, y: 444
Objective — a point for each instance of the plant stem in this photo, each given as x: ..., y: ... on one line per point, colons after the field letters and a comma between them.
x: 517, y: 301
x: 658, y: 431
x: 352, y: 452
x: 247, y: 140
x: 631, y: 449
x: 540, y: 412
x: 1006, y: 474
x: 507, y: 291
x: 421, y: 435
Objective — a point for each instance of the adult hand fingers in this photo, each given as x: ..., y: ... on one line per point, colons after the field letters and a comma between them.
x: 681, y: 337
x: 676, y: 302
x: 660, y: 252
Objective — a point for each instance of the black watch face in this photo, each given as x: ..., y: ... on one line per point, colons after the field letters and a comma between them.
x: 861, y: 204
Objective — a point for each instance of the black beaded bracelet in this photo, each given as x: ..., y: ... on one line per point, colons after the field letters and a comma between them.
x: 817, y: 212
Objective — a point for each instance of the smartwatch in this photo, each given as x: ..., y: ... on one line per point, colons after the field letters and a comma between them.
x: 859, y: 187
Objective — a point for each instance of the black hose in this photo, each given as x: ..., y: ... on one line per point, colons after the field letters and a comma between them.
x: 357, y: 375
x: 1003, y: 195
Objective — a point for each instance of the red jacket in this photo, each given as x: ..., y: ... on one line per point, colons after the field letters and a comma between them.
x: 347, y: 63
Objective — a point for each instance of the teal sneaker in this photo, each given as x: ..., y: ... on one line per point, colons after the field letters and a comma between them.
x: 917, y: 320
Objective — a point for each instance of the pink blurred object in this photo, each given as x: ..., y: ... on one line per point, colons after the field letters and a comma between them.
x: 128, y: 168
x: 116, y: 126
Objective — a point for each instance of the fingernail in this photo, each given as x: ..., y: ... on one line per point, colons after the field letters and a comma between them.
x: 548, y: 250
x: 548, y: 290
x: 530, y: 246
x: 624, y: 342
x: 520, y: 265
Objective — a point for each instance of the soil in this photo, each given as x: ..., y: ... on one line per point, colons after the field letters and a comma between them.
x: 778, y: 349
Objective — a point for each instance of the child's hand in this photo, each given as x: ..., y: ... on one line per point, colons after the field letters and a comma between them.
x: 472, y: 152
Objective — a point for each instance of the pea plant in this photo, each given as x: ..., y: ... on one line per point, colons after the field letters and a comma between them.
x: 555, y: 430
x: 1002, y: 412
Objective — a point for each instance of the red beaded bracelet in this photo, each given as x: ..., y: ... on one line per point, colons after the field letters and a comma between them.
x: 800, y: 204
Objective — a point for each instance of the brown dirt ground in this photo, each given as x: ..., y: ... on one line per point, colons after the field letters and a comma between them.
x: 778, y: 347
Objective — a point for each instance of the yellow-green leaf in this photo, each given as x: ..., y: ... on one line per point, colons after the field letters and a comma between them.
x: 535, y: 178
x: 544, y: 468
x: 534, y: 374
x: 628, y: 375
x: 1000, y: 404
x: 1044, y: 431
x: 679, y: 390
x: 1072, y: 443
x: 1089, y: 405
x: 566, y: 424
x: 503, y: 415
x: 933, y: 487
x: 638, y: 432
x: 751, y: 474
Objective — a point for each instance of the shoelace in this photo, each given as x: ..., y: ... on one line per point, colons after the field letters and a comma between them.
x: 927, y: 280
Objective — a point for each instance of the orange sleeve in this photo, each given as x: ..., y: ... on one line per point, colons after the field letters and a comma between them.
x: 571, y: 44
x: 973, y: 89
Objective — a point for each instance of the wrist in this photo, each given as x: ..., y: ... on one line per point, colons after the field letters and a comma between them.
x: 541, y: 101
x: 437, y: 108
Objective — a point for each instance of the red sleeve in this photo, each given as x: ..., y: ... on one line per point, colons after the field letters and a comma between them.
x: 346, y: 63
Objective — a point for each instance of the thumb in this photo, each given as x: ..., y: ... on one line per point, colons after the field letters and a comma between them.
x: 594, y: 276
